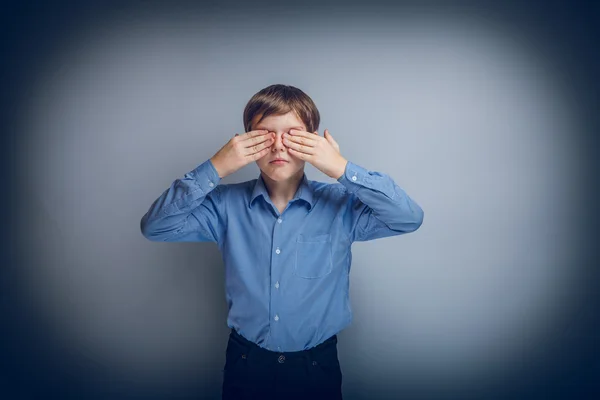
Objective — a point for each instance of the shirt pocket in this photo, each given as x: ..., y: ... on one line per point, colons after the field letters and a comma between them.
x: 313, y: 255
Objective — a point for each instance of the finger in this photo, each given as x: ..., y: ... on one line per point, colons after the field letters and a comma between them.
x: 257, y: 148
x: 298, y: 132
x: 257, y: 139
x: 252, y: 134
x: 298, y: 154
x: 265, y: 144
x: 299, y: 147
x: 306, y: 134
x: 303, y: 140
x: 329, y: 137
x: 260, y: 154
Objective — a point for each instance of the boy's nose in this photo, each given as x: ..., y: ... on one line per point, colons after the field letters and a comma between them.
x: 278, y: 143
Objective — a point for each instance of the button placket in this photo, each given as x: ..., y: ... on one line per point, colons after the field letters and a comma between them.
x: 277, y: 251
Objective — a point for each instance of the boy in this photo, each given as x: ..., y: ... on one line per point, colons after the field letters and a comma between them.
x: 285, y: 242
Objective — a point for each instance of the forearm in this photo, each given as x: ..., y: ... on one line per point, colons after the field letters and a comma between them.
x: 389, y: 203
x: 168, y: 214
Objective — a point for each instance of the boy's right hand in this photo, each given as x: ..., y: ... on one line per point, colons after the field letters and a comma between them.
x: 241, y: 150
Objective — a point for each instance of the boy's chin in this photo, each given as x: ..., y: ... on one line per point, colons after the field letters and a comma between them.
x: 279, y: 174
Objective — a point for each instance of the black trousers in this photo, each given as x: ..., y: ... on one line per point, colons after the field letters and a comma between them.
x: 252, y: 372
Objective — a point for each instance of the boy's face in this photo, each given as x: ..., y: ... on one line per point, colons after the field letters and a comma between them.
x: 280, y: 124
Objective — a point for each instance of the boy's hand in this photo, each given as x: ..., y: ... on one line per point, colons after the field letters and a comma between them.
x: 241, y: 150
x: 321, y: 151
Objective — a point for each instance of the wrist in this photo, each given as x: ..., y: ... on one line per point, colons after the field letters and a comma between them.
x: 218, y: 167
x: 341, y: 169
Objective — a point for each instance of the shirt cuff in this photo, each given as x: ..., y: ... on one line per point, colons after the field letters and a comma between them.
x: 207, y: 176
x: 354, y: 177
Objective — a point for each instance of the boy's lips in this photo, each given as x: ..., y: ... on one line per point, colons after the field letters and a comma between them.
x: 278, y: 159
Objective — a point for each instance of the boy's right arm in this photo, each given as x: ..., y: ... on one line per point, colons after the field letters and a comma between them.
x: 191, y: 209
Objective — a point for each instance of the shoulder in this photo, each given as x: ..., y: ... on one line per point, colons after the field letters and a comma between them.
x: 238, y: 186
x: 330, y: 191
x: 236, y: 190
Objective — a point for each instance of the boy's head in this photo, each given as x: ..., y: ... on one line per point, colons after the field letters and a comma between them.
x: 278, y: 108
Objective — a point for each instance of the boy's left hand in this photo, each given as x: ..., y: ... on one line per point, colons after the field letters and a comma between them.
x: 321, y: 151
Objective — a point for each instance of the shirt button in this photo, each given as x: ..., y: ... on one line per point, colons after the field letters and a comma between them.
x: 278, y: 251
x: 277, y: 285
x: 354, y: 178
x: 281, y: 359
x: 211, y: 184
x: 276, y: 317
x: 279, y: 220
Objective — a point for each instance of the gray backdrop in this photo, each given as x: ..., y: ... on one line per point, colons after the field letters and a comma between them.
x: 477, y: 122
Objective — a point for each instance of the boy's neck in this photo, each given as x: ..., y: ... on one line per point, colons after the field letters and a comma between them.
x: 282, y: 192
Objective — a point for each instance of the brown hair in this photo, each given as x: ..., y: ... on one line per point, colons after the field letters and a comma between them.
x: 278, y: 100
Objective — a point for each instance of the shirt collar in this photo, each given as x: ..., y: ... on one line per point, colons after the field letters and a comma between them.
x: 304, y: 191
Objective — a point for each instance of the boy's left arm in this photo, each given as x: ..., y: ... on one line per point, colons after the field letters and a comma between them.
x: 377, y: 207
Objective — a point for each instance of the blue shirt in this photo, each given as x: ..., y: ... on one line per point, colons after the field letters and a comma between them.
x: 286, y: 274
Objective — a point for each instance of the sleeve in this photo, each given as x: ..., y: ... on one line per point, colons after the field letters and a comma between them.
x: 190, y: 210
x: 376, y: 206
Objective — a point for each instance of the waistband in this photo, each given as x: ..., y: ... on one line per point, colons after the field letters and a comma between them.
x: 239, y: 339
